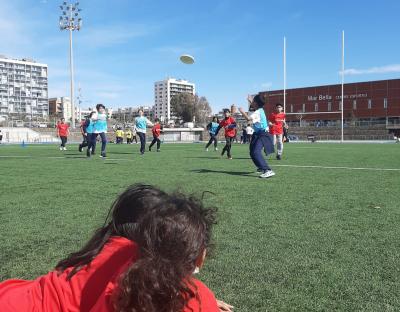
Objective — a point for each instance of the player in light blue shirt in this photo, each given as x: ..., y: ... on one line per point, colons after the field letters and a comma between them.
x: 141, y: 124
x: 99, y: 119
x: 212, y: 130
x: 261, y: 138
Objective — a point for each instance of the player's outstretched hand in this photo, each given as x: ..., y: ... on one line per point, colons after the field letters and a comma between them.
x: 224, y: 307
x: 241, y: 110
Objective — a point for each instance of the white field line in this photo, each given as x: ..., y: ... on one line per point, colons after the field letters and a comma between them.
x: 333, y: 167
x: 274, y: 165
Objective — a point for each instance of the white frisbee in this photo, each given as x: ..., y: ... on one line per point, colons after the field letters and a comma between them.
x: 187, y: 59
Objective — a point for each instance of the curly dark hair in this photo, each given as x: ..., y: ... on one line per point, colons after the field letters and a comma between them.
x: 125, y: 212
x: 171, y: 237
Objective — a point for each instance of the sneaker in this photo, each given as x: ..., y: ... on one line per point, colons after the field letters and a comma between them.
x: 61, y: 148
x: 216, y: 149
x: 230, y: 158
x: 267, y: 174
x: 80, y: 148
x: 278, y: 157
x: 65, y: 148
x: 88, y: 154
x: 207, y: 149
x: 158, y: 151
x: 103, y: 155
x: 149, y: 149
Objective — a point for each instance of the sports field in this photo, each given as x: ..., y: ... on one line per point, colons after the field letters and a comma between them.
x: 322, y: 235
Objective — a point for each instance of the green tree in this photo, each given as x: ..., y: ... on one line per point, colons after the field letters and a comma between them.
x: 185, y: 106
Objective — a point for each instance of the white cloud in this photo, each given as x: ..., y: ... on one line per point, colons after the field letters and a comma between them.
x: 113, y: 34
x: 394, y: 68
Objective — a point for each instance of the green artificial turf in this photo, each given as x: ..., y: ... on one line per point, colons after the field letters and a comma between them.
x: 308, y: 239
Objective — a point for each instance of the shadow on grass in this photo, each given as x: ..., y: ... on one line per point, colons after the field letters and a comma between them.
x: 235, y: 173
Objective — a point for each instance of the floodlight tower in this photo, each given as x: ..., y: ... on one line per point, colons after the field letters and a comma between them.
x: 70, y: 20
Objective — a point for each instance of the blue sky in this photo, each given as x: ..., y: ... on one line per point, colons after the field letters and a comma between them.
x: 127, y: 45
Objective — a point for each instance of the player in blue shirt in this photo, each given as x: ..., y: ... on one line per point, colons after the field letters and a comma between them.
x: 261, y: 139
x: 100, y: 128
x: 212, y: 130
x: 141, y: 124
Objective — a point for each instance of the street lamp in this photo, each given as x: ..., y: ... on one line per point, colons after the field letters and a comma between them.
x: 70, y: 20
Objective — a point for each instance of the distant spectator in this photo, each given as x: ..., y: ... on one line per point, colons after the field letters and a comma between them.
x: 243, y: 138
x: 250, y: 131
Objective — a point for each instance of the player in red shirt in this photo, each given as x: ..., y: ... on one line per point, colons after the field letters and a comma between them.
x: 229, y: 125
x: 62, y: 133
x: 156, y: 130
x: 139, y: 260
x: 276, y: 121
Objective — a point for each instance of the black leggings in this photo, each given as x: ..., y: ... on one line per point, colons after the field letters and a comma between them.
x: 212, y: 138
x: 63, y: 140
x: 228, y: 146
x: 155, y: 140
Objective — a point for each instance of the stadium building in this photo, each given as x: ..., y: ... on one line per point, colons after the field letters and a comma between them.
x: 373, y: 102
x: 365, y: 103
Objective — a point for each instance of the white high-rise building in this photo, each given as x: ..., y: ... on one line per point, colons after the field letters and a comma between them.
x: 163, y: 92
x: 23, y: 88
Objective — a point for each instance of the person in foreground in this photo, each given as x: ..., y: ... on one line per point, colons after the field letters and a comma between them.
x: 143, y: 259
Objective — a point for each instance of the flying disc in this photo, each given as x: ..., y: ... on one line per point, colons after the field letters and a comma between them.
x: 187, y: 59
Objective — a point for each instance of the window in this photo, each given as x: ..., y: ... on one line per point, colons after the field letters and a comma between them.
x: 329, y: 106
x: 316, y: 107
x: 369, y: 104
x: 291, y: 108
x: 340, y: 105
x: 385, y: 103
x: 354, y: 104
x: 304, y: 108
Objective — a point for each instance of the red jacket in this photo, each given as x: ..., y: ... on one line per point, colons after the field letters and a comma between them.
x: 88, y: 290
x: 156, y: 130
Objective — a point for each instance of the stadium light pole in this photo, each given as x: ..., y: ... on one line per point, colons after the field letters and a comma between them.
x: 342, y: 137
x: 70, y: 20
x: 284, y: 74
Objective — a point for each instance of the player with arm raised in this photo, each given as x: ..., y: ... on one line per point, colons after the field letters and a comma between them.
x: 260, y: 139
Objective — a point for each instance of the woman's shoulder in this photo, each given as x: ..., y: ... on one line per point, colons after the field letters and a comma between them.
x: 206, y: 299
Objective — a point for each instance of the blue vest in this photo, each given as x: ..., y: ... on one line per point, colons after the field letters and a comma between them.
x: 90, y: 127
x: 213, y: 128
x: 101, y: 123
x: 262, y: 125
x: 141, y: 123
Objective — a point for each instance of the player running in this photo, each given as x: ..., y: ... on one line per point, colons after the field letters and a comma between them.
x: 229, y: 125
x: 212, y: 128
